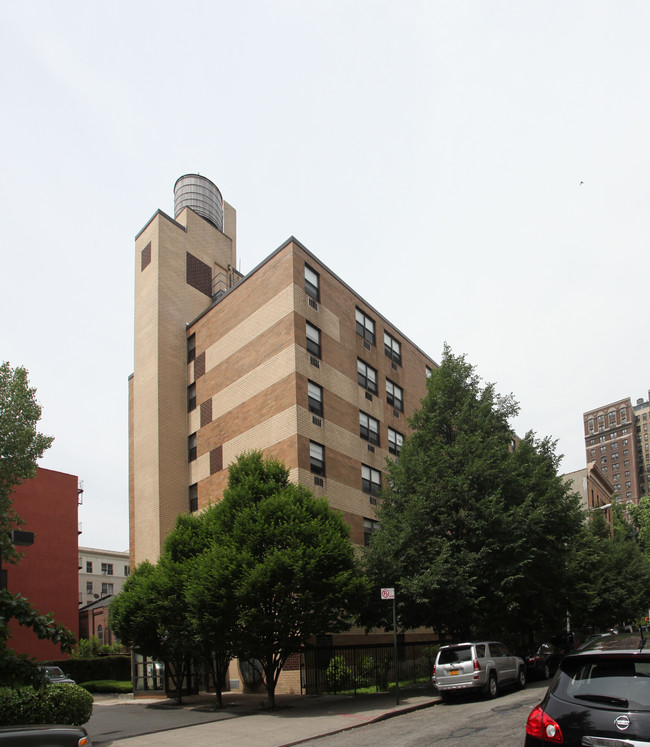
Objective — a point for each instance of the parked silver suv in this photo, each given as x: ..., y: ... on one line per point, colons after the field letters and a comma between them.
x: 479, y: 665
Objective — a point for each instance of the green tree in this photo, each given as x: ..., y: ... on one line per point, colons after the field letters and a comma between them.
x: 640, y: 515
x: 207, y: 591
x: 611, y: 574
x: 17, y: 669
x: 470, y: 526
x: 21, y: 445
x: 150, y: 614
x: 293, y: 567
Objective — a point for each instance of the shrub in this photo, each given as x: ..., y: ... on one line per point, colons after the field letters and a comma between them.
x: 97, y: 668
x: 366, y: 671
x: 50, y: 704
x: 338, y: 674
x: 107, y: 686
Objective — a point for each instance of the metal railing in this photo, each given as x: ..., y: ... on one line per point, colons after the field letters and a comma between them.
x: 336, y: 669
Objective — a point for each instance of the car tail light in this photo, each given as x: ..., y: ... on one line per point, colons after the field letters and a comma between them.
x: 434, y: 670
x: 477, y: 666
x: 541, y: 726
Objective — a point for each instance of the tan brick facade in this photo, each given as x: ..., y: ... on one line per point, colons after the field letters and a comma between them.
x: 245, y: 385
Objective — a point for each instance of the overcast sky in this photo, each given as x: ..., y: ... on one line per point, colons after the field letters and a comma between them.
x: 477, y: 171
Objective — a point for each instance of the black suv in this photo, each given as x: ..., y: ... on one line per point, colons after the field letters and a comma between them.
x: 600, y: 696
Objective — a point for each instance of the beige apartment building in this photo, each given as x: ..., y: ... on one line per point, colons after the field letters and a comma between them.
x: 616, y: 438
x: 287, y: 359
x: 101, y: 573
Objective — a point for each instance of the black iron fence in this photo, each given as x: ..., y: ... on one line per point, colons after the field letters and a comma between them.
x: 336, y: 669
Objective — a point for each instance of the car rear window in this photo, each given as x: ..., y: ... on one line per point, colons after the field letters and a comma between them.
x: 606, y: 681
x: 457, y: 653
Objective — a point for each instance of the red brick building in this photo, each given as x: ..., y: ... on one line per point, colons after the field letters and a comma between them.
x: 48, y: 572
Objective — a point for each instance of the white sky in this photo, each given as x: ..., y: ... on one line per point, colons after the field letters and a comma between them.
x: 430, y: 153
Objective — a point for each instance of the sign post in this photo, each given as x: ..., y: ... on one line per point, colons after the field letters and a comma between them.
x: 390, y: 594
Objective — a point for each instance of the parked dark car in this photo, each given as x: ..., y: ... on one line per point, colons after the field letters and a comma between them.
x: 55, y: 674
x: 542, y: 661
x: 565, y: 642
x: 600, y: 696
x: 49, y: 735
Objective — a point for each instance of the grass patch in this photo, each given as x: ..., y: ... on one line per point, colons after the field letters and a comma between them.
x: 107, y: 686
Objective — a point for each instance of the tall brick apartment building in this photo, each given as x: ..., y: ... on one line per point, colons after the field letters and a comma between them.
x: 287, y: 359
x: 616, y: 438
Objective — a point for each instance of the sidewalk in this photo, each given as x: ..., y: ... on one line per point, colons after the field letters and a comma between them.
x: 244, y: 718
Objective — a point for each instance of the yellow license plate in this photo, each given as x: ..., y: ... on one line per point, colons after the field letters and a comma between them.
x: 453, y: 671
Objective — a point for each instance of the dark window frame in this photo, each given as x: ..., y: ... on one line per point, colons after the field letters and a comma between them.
x: 368, y: 484
x: 317, y: 463
x: 191, y: 447
x: 312, y: 346
x: 315, y: 405
x: 365, y: 428
x: 311, y: 289
x: 394, y: 444
x: 362, y: 326
x: 392, y: 348
x: 363, y: 379
x: 193, y: 497
x: 394, y: 401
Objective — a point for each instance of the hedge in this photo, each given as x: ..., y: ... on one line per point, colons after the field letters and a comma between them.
x: 60, y: 703
x: 116, y: 667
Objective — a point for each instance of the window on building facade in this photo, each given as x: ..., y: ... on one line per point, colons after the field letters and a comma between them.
x: 89, y: 587
x: 107, y: 589
x: 191, y: 448
x: 366, y: 376
x: 370, y: 480
x: 313, y: 339
x: 107, y: 569
x: 191, y: 348
x: 368, y: 428
x: 127, y: 570
x: 317, y: 458
x: 428, y: 371
x: 89, y: 566
x: 623, y: 415
x: 395, y: 441
x: 392, y: 348
x: 591, y: 426
x: 312, y: 283
x: 394, y: 395
x: 191, y: 397
x: 369, y: 526
x: 194, y: 497
x: 315, y: 398
x: 365, y: 326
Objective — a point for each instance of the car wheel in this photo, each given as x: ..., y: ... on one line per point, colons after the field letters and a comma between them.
x: 493, y: 686
x: 547, y: 671
x: 521, y: 678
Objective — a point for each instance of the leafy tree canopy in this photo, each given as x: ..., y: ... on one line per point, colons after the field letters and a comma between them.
x: 255, y: 576
x: 21, y: 445
x: 474, y: 519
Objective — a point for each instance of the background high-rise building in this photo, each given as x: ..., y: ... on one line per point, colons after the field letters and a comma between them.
x: 289, y: 360
x: 616, y: 438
